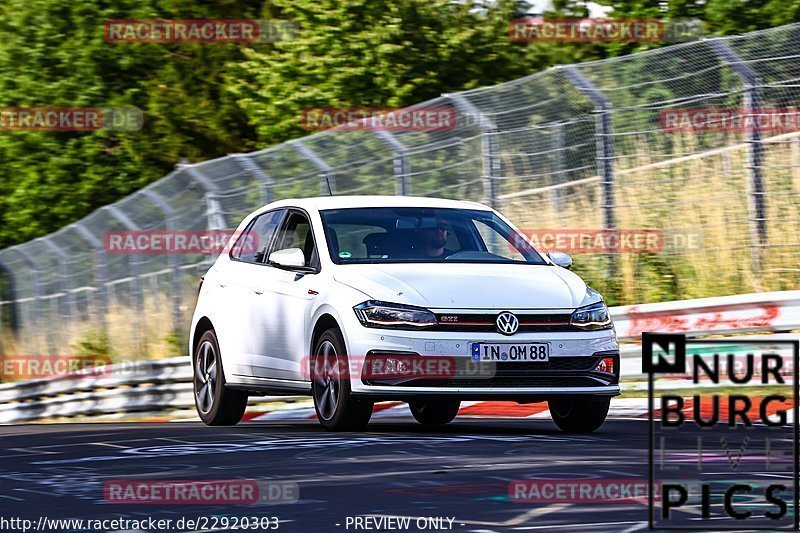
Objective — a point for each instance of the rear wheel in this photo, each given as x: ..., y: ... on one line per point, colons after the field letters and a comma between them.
x: 216, y: 404
x: 337, y: 409
x: 434, y: 412
x: 579, y: 415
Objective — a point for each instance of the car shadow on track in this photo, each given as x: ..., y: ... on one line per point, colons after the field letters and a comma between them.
x: 484, y: 427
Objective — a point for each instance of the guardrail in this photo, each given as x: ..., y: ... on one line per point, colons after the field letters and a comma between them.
x: 143, y: 386
x: 764, y: 311
x: 165, y: 385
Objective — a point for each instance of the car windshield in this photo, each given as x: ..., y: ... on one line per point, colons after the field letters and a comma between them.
x: 423, y: 235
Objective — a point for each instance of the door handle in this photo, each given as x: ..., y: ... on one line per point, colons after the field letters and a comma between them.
x: 222, y: 285
x: 259, y: 292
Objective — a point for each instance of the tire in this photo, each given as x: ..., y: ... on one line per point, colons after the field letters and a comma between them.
x: 579, y: 415
x: 336, y: 406
x: 216, y: 405
x: 434, y: 412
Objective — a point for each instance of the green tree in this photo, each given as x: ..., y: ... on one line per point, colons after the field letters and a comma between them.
x: 374, y: 53
x: 53, y: 54
x: 721, y: 17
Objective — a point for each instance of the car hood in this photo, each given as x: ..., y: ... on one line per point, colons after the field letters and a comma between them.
x: 467, y: 286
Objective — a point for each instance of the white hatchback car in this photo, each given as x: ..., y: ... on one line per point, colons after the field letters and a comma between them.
x: 358, y: 299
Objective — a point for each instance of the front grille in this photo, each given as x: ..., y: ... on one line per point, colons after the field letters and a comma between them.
x: 555, y: 363
x: 575, y: 371
x: 558, y: 372
x: 486, y: 322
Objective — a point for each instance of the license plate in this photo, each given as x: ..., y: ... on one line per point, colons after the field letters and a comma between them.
x: 510, y: 352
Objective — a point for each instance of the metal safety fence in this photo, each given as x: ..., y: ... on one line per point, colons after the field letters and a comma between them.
x: 585, y: 146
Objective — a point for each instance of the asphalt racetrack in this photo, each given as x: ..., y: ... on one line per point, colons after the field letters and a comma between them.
x: 396, y: 468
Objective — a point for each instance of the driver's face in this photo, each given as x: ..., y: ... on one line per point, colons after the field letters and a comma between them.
x: 437, y: 237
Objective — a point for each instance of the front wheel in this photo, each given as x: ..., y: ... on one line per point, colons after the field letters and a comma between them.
x: 216, y: 404
x: 579, y: 415
x: 337, y: 409
x: 434, y: 412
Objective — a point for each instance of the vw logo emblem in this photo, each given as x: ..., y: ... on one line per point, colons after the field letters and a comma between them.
x: 507, y: 323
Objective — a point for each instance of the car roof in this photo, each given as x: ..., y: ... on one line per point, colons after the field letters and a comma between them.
x: 340, y: 202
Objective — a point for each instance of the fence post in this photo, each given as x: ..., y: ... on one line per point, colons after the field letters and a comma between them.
x: 13, y: 322
x: 100, y: 274
x: 255, y: 170
x: 557, y: 194
x: 327, y: 178
x: 69, y: 297
x: 174, y: 264
x: 133, y: 264
x: 605, y: 154
x: 489, y: 147
x: 37, y: 321
x: 205, y: 182
x: 755, y: 148
x: 215, y: 218
x: 400, y: 162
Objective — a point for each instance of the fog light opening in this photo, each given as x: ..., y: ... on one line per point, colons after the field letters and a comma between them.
x: 606, y: 365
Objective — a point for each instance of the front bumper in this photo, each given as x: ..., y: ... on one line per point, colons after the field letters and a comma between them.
x: 570, y: 372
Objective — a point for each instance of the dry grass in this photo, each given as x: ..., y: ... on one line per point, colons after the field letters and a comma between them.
x: 707, y: 196
x: 136, y: 336
x: 131, y: 335
x: 10, y: 343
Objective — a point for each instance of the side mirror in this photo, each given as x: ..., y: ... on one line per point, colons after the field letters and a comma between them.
x: 288, y: 257
x: 561, y: 259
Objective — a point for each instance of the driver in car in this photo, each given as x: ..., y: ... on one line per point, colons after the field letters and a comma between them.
x: 434, y: 240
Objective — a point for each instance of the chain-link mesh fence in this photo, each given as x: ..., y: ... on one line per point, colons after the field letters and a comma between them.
x: 582, y: 146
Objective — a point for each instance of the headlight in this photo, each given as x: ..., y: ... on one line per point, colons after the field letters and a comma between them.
x: 593, y: 316
x: 374, y: 314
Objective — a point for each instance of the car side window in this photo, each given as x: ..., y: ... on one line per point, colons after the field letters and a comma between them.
x: 253, y: 244
x: 296, y: 232
x: 496, y: 243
